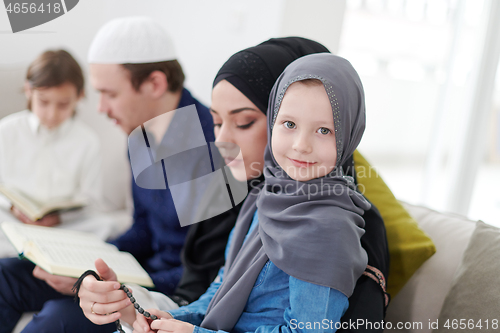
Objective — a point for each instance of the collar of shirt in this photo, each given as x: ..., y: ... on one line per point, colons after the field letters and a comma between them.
x: 38, y: 129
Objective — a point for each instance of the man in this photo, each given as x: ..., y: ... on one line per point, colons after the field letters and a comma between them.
x: 133, y: 66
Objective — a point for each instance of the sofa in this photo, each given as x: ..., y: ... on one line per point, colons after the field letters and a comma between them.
x: 422, y: 297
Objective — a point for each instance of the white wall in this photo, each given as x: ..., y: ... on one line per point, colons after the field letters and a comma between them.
x: 206, y: 34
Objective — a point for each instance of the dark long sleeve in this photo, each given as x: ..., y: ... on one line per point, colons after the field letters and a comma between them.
x: 137, y: 240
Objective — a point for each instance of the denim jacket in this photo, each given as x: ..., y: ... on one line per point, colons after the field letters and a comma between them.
x: 278, y: 302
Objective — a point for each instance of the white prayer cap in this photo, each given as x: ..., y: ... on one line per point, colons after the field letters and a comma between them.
x: 134, y: 40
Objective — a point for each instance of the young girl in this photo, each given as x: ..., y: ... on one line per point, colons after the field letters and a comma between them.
x: 45, y: 152
x: 294, y: 255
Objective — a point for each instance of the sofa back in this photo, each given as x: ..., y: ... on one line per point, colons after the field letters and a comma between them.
x: 420, y: 301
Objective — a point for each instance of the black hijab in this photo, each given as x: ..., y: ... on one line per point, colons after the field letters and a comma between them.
x: 253, y: 71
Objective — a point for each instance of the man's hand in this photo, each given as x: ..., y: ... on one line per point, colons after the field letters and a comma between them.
x: 46, y: 221
x: 101, y: 301
x: 62, y: 284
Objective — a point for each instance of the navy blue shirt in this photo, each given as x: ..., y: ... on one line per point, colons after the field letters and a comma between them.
x: 156, y: 237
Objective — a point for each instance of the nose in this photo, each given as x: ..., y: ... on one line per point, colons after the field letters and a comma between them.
x: 225, y: 143
x: 102, y: 107
x: 51, y: 114
x: 223, y: 134
x: 301, y: 143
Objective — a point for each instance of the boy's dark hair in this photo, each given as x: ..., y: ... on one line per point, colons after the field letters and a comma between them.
x: 54, y: 68
x: 172, y: 69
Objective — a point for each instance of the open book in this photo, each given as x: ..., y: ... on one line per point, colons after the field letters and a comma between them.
x: 71, y: 253
x: 35, y: 210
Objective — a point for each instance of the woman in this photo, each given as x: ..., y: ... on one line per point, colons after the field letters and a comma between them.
x: 239, y: 104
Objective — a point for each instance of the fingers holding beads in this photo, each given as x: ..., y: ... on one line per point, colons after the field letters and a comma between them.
x: 91, y: 284
x: 105, y: 298
x: 142, y: 325
x: 101, y: 291
x: 171, y: 325
x: 143, y: 321
x: 107, y: 308
x: 98, y: 298
x: 98, y: 314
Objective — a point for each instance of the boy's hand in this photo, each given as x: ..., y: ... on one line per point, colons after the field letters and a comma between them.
x: 46, y: 221
x: 49, y: 220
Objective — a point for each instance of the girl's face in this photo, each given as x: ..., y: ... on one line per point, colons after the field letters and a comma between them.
x: 303, y: 137
x: 240, y: 131
x: 53, y: 105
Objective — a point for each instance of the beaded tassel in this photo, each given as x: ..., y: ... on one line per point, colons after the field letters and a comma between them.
x: 136, y: 305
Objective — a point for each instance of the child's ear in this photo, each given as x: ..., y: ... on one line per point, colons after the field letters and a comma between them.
x: 28, y: 91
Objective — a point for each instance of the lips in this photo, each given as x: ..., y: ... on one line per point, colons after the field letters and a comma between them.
x: 113, y: 120
x: 301, y: 164
x: 232, y: 161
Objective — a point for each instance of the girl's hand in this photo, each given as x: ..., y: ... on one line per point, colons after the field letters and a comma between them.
x: 143, y: 325
x: 171, y: 325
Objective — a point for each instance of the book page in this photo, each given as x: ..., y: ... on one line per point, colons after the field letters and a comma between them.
x: 77, y: 259
x: 59, y: 206
x: 71, y: 253
x: 36, y: 210
x: 29, y: 207
x: 21, y: 233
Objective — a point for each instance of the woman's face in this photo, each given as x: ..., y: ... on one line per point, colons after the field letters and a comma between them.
x: 239, y: 123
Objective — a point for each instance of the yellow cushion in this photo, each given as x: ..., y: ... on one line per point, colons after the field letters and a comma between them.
x: 409, y: 246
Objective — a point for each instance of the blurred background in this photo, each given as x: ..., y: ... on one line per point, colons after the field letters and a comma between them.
x: 429, y: 69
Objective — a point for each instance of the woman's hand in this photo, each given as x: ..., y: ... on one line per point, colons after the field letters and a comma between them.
x: 103, y: 302
x: 144, y: 325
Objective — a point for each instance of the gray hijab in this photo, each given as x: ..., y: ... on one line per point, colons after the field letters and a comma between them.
x: 312, y: 232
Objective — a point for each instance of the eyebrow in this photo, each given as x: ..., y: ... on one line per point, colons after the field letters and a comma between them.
x: 315, y: 122
x: 44, y: 96
x: 237, y: 110
x: 104, y: 90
